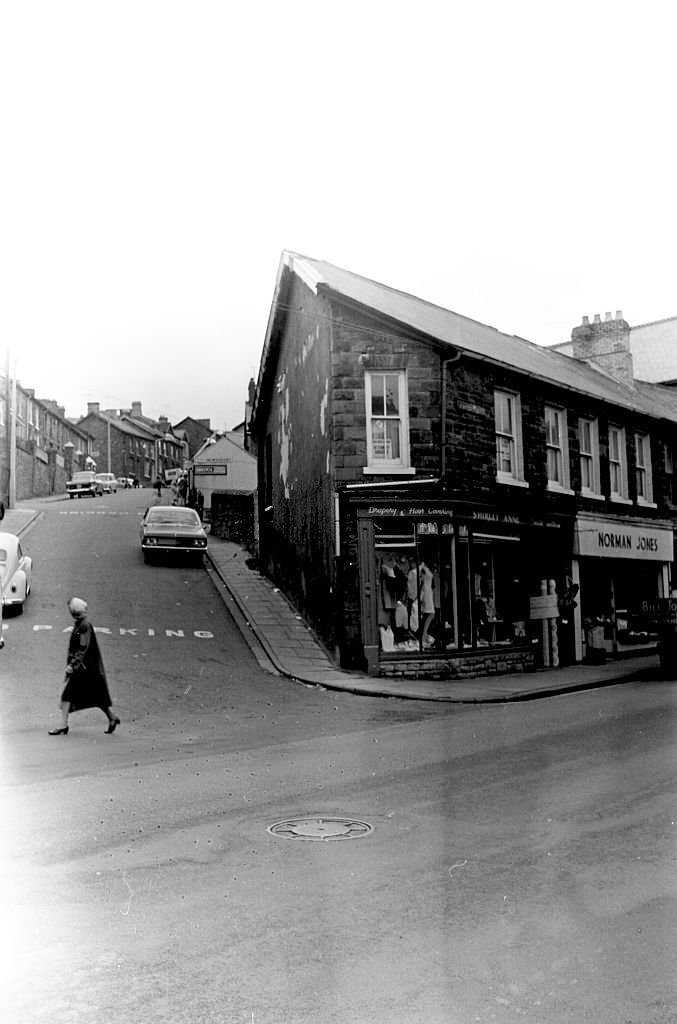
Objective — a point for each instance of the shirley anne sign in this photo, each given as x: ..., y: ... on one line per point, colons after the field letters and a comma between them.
x: 600, y: 538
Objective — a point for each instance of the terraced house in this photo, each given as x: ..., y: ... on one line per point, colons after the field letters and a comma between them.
x: 441, y: 498
x: 39, y: 446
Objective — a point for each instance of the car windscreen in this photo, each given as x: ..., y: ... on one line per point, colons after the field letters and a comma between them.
x: 82, y: 478
x: 179, y: 517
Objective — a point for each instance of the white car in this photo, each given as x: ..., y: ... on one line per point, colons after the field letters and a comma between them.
x: 108, y: 482
x: 16, y: 572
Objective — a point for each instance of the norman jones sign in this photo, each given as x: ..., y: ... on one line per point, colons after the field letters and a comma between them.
x: 603, y: 539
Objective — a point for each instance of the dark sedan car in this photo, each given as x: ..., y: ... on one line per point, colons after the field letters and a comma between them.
x: 172, y: 530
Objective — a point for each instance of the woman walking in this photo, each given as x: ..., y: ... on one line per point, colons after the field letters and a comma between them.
x: 86, y: 685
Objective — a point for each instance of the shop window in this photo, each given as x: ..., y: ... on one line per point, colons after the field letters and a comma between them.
x: 588, y: 441
x: 618, y: 467
x: 441, y: 590
x: 387, y: 422
x: 557, y: 448
x: 643, y: 475
x: 509, y: 457
x: 416, y: 598
x: 500, y: 602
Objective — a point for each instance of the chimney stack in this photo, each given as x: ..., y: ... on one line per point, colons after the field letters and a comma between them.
x: 92, y: 408
x: 605, y: 345
x: 136, y: 409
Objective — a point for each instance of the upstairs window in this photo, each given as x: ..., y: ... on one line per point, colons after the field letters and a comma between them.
x: 670, y: 473
x: 643, y: 475
x: 618, y: 467
x: 387, y: 421
x: 509, y: 458
x: 588, y: 442
x: 557, y: 448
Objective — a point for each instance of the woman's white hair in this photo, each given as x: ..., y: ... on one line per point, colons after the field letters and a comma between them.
x: 77, y: 606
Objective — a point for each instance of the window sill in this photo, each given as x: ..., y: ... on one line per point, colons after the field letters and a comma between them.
x: 389, y: 471
x: 592, y: 495
x: 643, y: 503
x: 511, y: 481
x: 618, y: 500
x: 557, y: 489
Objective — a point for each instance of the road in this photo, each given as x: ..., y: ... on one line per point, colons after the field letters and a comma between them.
x: 521, y: 863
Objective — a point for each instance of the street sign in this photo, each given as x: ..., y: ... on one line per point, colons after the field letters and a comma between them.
x: 210, y: 469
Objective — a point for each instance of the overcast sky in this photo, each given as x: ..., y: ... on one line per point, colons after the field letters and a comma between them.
x: 512, y: 161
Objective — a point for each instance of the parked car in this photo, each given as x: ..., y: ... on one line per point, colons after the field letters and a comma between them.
x: 84, y: 483
x: 172, y: 530
x: 108, y: 483
x: 16, y: 572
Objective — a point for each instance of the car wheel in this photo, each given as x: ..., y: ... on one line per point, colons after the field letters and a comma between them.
x: 147, y: 557
x: 71, y: 496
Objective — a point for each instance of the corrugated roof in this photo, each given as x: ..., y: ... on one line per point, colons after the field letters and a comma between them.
x: 476, y: 338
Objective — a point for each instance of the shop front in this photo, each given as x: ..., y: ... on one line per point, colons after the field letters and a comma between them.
x: 619, y: 564
x: 447, y: 589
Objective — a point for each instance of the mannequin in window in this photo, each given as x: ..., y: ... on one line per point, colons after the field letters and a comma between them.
x: 427, y: 602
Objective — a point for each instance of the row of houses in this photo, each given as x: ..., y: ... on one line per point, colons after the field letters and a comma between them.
x: 40, y: 447
x: 38, y: 444
x: 443, y: 499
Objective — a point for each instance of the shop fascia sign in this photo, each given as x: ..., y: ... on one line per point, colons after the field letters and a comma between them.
x: 408, y: 511
x: 603, y: 538
x: 481, y: 516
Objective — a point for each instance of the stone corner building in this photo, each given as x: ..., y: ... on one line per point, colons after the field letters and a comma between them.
x: 443, y: 499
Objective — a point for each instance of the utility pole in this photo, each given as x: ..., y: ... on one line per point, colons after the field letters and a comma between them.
x: 8, y: 440
x: 11, y: 491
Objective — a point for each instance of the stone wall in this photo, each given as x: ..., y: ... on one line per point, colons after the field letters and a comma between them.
x: 468, y: 666
x: 38, y: 473
x: 233, y: 518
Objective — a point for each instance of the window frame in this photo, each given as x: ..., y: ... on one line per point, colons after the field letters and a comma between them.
x: 516, y: 477
x: 622, y: 463
x: 641, y: 438
x: 593, y: 455
x: 562, y: 449
x: 375, y: 464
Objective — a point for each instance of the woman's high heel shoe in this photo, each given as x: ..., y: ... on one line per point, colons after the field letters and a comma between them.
x: 58, y: 732
x: 112, y: 725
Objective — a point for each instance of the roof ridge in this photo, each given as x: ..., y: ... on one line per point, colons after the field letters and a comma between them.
x: 652, y: 323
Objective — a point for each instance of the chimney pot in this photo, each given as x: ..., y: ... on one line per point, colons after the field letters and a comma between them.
x: 619, y: 314
x: 597, y: 318
x: 607, y: 316
x: 586, y: 321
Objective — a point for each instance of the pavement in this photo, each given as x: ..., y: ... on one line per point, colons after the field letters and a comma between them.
x: 283, y: 643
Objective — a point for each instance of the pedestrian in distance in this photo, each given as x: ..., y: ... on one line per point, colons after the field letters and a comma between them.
x: 85, y: 680
x: 158, y: 487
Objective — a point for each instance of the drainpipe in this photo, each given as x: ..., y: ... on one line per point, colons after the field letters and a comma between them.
x: 443, y: 429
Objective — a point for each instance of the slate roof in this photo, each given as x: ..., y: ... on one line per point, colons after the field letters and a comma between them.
x: 461, y: 332
x: 121, y: 425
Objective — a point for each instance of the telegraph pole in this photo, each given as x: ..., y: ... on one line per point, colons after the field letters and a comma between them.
x: 11, y: 491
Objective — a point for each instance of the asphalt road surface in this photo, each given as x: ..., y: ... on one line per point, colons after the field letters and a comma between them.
x: 521, y: 863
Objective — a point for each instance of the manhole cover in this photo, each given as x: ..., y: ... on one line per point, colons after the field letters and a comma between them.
x: 317, y: 828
